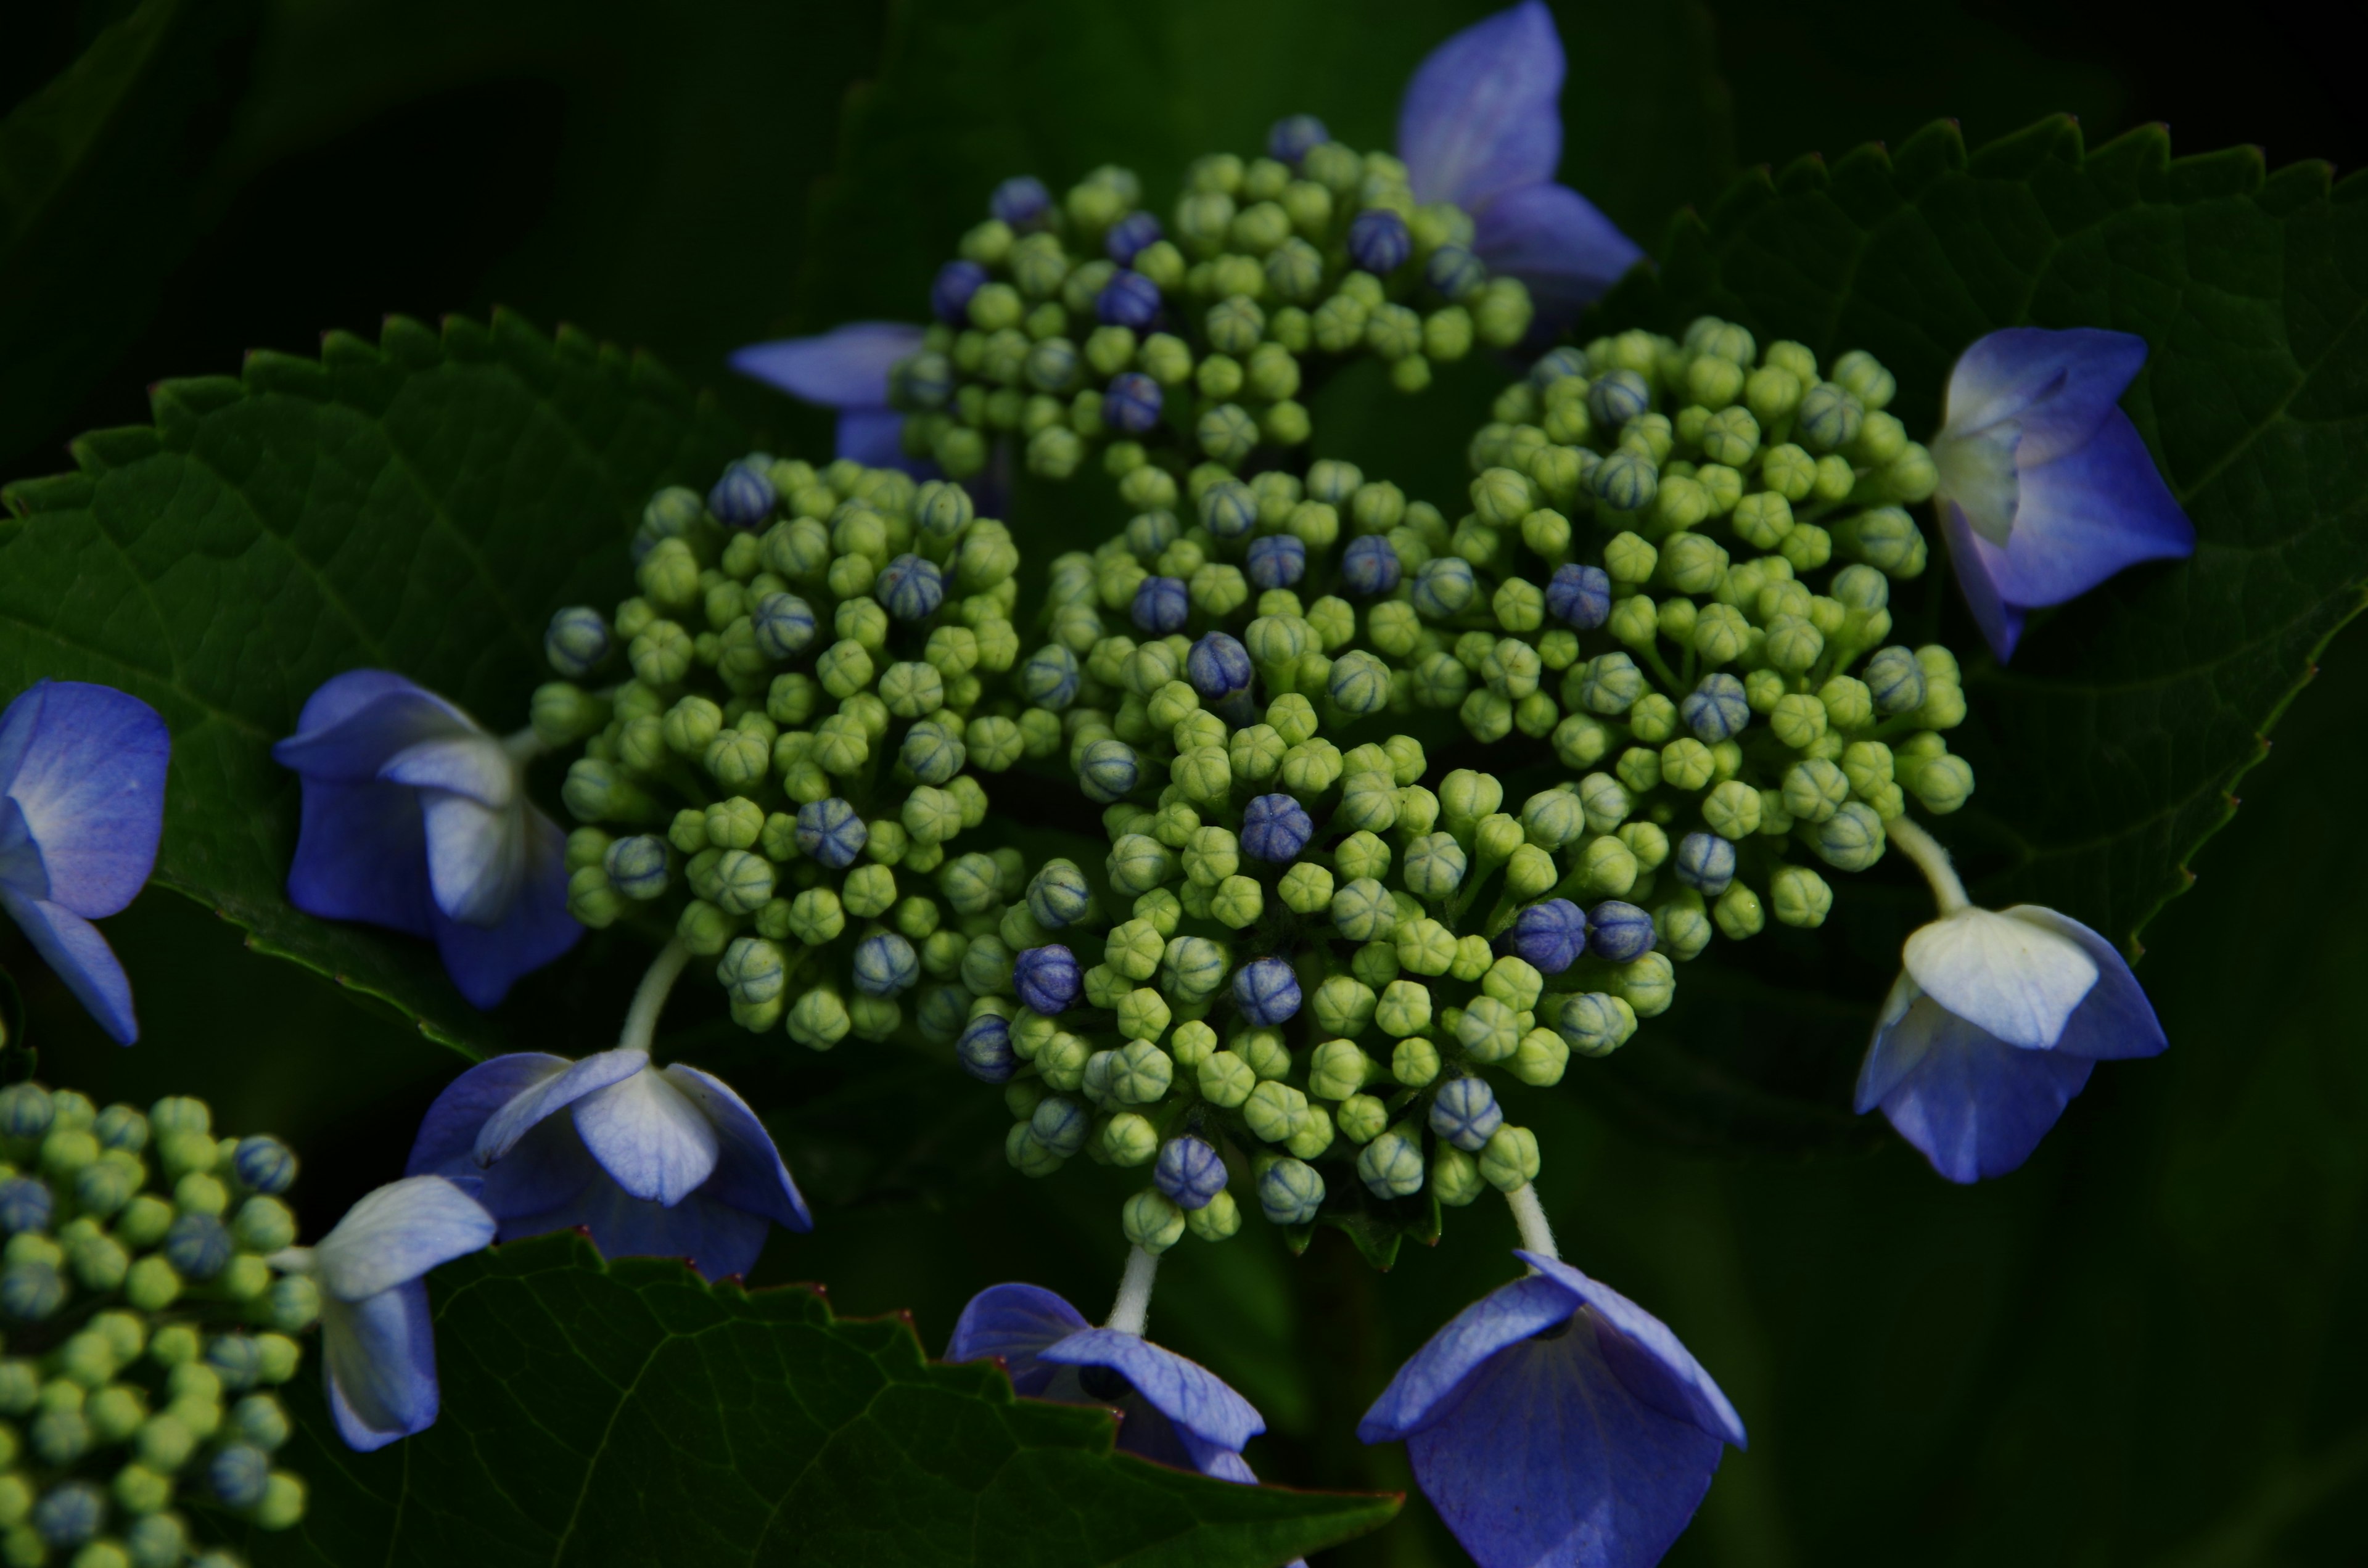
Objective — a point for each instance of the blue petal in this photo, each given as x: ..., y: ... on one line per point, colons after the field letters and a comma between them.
x: 847, y: 367
x: 1428, y: 1384
x: 73, y: 946
x: 486, y: 960
x: 1975, y: 1105
x: 749, y: 1172
x: 875, y: 437
x: 354, y: 722
x: 2057, y: 386
x: 380, y: 1357
x: 650, y: 1137
x: 2090, y: 513
x: 713, y: 1237
x: 398, y: 1233
x: 2114, y: 1020
x: 472, y: 765
x: 85, y: 767
x: 1188, y: 1394
x: 1547, y: 1458
x: 1553, y: 239
x: 447, y: 1141
x: 1016, y: 1323
x: 1976, y: 560
x: 1651, y: 1363
x: 1482, y: 115
x: 541, y: 1184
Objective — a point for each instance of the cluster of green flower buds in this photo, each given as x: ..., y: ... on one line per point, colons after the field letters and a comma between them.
x: 796, y: 743
x: 142, y: 1331
x: 1085, y: 323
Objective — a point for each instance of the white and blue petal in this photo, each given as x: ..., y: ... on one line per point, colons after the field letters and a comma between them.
x: 846, y: 368
x: 2114, y: 1020
x: 395, y: 1235
x: 1482, y: 115
x: 650, y: 1137
x: 750, y: 1174
x: 2015, y: 980
x: 2055, y: 386
x: 1016, y: 1323
x: 1200, y: 1402
x: 484, y: 962
x: 543, y: 1097
x: 354, y: 722
x: 380, y: 1354
x: 1555, y: 241
x: 1975, y: 1105
x: 84, y: 767
x: 73, y: 946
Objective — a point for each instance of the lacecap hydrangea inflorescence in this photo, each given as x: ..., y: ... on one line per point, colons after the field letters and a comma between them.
x: 1087, y: 323
x: 147, y: 1319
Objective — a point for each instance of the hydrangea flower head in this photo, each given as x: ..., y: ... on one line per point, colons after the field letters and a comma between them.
x: 416, y: 818
x: 2046, y: 489
x: 82, y: 806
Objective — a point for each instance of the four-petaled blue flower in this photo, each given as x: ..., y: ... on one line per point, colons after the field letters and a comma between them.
x: 1047, y: 979
x: 1369, y: 566
x: 847, y: 368
x: 1993, y: 1026
x: 1277, y: 561
x: 2046, y: 489
x: 1172, y: 1411
x: 1555, y: 1421
x: 1481, y: 126
x: 1275, y: 828
x: 1218, y: 666
x: 654, y: 1162
x: 378, y: 1347
x: 1549, y: 936
x: 1267, y: 991
x: 417, y: 818
x: 82, y: 804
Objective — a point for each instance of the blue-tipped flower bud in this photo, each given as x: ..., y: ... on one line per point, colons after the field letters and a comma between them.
x: 25, y: 1205
x: 1229, y: 509
x: 1557, y: 365
x: 1378, y: 240
x: 1549, y: 936
x: 1133, y: 402
x: 264, y: 1165
x: 1579, y: 596
x: 1266, y: 991
x: 1291, y: 1192
x: 1277, y: 561
x: 238, y: 1474
x: 1048, y: 678
x: 1128, y: 299
x: 1616, y: 397
x: 934, y: 751
x: 1293, y: 136
x: 742, y: 499
x: 1061, y: 1124
x: 1895, y: 679
x: 1716, y: 710
x: 950, y: 294
x: 1275, y: 828
x: 910, y: 589
x: 1359, y: 683
x: 1218, y: 666
x: 1058, y: 895
x: 1160, y: 606
x: 1129, y: 235
x: 1189, y: 1172
x: 30, y: 1292
x: 1466, y: 1114
x: 1626, y: 481
x: 1369, y: 567
x: 1705, y: 863
x: 637, y: 866
x: 885, y: 965
x: 1618, y: 932
x: 1021, y: 201
x: 197, y: 1246
x: 1454, y: 271
x: 68, y: 1514
x: 1444, y: 587
x: 1109, y: 770
x: 1047, y: 979
x: 985, y: 1050
x: 829, y: 830
x: 25, y: 1111
x: 577, y: 639
x: 784, y: 625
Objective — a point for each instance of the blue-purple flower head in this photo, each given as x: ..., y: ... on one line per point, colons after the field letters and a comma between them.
x: 1218, y: 666
x: 1128, y: 299
x: 1378, y: 241
x: 1618, y: 931
x: 417, y: 818
x: 1277, y: 561
x: 1173, y: 1412
x: 983, y: 1048
x: 81, y: 807
x: 830, y: 831
x: 1130, y: 236
x: 1481, y: 126
x: 1133, y: 402
x: 653, y: 1162
x: 910, y: 587
x: 1549, y: 936
x: 1292, y: 137
x: 1275, y: 828
x: 1266, y: 991
x: 1466, y: 1113
x: 1190, y: 1171
x: 2046, y: 489
x: 1161, y: 606
x: 1047, y: 979
x: 1994, y: 1025
x: 1718, y: 710
x: 1023, y: 202
x: 1555, y: 1421
x: 1579, y: 596
x: 742, y: 497
x: 949, y: 293
x: 1370, y: 566
x: 1705, y: 862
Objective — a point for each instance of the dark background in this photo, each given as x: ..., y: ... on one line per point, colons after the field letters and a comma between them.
x: 2138, y: 1350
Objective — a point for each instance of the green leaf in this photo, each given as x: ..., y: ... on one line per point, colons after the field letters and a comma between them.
x: 420, y: 506
x: 628, y: 1413
x: 2108, y: 753
x: 101, y: 187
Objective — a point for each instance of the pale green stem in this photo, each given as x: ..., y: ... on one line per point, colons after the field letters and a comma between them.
x: 642, y: 1018
x: 1132, y: 1308
x: 523, y: 746
x: 1932, y: 860
x: 1530, y: 1216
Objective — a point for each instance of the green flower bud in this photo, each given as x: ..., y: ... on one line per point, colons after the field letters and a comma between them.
x: 1216, y: 1220
x: 1800, y: 896
x: 1852, y: 838
x: 1225, y: 1080
x: 1403, y: 1008
x: 1942, y: 783
x: 1511, y: 1159
x: 819, y: 1019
